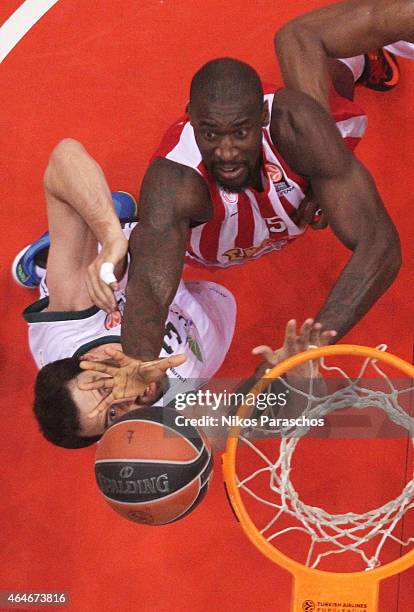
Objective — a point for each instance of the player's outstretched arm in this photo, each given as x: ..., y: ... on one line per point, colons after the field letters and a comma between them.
x: 172, y: 197
x: 347, y: 195
x: 344, y: 29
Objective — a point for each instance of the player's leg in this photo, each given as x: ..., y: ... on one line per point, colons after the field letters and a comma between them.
x: 79, y: 207
x: 29, y: 265
x: 78, y: 198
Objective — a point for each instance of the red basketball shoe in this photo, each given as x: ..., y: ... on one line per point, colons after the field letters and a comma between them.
x: 381, y: 71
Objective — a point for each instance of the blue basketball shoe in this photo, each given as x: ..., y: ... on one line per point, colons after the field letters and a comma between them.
x: 24, y: 265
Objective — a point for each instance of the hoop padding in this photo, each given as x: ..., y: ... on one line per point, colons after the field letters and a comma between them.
x: 312, y: 584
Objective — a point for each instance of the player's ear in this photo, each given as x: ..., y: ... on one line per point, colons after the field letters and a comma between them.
x: 265, y: 114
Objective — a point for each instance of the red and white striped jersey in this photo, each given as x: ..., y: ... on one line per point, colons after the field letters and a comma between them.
x: 248, y: 224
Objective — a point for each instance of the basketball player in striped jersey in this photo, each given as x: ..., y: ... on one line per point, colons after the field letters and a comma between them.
x: 242, y: 173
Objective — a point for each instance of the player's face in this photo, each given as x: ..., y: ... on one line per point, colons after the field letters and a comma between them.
x: 229, y: 137
x: 87, y: 401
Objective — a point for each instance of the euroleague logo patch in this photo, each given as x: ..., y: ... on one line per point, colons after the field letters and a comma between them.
x: 275, y: 174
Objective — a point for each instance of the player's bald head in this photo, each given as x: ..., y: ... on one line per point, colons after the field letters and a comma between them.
x: 226, y: 80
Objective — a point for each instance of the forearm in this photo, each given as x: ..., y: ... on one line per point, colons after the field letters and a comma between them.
x: 366, y: 277
x: 76, y: 186
x: 157, y: 259
x: 345, y: 29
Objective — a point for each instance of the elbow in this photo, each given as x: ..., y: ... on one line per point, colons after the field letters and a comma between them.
x: 387, y: 255
x: 394, y: 255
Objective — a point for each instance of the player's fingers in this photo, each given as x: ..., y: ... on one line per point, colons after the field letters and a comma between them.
x: 98, y: 296
x: 262, y: 349
x: 106, y: 273
x: 107, y: 276
x: 326, y: 337
x: 176, y: 360
x: 118, y: 356
x: 304, y: 334
x: 98, y: 366
x: 120, y: 399
x: 92, y: 293
x: 164, y: 363
x: 103, y: 405
x: 102, y: 292
x: 290, y: 338
x: 314, y: 334
x: 100, y: 383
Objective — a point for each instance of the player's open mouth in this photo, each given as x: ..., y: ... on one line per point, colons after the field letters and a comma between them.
x: 230, y: 173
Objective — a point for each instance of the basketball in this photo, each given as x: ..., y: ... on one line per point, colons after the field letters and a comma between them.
x: 151, y: 470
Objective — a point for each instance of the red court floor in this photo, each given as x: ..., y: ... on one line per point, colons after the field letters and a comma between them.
x: 114, y: 75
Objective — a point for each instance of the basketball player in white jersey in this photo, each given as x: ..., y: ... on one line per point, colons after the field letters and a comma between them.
x: 65, y: 324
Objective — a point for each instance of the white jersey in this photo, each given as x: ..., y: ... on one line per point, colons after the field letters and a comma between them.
x: 200, y: 324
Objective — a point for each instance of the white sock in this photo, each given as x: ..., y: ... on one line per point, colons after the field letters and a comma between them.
x: 402, y: 48
x: 355, y: 64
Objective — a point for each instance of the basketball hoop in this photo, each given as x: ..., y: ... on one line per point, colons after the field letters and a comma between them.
x: 363, y: 534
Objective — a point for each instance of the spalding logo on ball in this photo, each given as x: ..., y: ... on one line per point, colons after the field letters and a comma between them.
x: 149, y: 469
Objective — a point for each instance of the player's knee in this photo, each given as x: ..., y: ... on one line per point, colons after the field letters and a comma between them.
x: 59, y: 158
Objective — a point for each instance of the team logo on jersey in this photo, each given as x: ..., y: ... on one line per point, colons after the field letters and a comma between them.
x: 267, y: 245
x: 195, y: 348
x: 113, y: 319
x: 275, y: 173
x: 229, y: 197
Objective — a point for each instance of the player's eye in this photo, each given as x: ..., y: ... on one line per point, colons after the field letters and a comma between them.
x: 241, y: 133
x: 209, y: 135
x: 112, y: 414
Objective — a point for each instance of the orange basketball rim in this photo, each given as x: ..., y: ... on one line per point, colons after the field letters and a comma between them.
x: 359, y: 589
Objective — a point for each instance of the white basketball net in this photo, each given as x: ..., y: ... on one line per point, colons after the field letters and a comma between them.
x: 345, y: 532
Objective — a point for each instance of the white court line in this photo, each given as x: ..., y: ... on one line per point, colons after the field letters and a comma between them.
x: 20, y: 22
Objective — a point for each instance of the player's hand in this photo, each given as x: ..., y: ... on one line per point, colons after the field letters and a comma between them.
x: 102, y: 293
x: 309, y: 213
x: 124, y: 377
x: 310, y: 335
